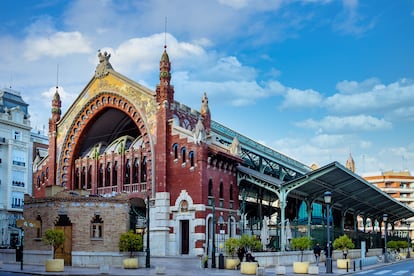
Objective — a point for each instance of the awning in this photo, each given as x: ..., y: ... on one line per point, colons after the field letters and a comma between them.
x: 350, y: 192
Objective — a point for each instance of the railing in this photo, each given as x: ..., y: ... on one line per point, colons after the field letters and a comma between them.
x: 127, y: 188
x: 18, y: 183
x: 19, y: 163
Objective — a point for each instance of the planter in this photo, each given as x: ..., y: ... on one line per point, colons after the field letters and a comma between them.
x: 232, y: 263
x: 248, y: 268
x: 54, y: 265
x: 130, y: 263
x: 301, y: 267
x: 342, y: 263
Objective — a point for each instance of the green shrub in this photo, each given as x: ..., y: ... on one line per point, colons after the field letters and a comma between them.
x: 231, y: 245
x: 301, y: 243
x: 130, y: 242
x: 343, y: 243
x: 55, y: 238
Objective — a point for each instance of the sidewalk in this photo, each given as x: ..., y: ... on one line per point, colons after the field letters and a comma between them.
x: 161, y: 266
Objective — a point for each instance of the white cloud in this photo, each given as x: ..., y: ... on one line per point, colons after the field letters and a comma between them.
x: 348, y: 124
x: 56, y: 45
x: 393, y: 101
x: 296, y: 98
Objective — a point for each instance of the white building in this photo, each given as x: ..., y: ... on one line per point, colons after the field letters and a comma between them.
x: 15, y: 163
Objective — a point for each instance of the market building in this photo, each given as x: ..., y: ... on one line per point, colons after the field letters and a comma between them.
x: 123, y: 154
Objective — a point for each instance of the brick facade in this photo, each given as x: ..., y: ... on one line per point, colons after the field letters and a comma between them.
x: 119, y: 138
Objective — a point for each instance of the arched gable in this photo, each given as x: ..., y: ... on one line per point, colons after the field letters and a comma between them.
x: 85, y: 116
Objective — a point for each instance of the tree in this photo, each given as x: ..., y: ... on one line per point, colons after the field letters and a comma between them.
x: 231, y: 245
x: 130, y: 242
x: 343, y: 243
x: 250, y: 243
x: 55, y: 238
x: 301, y: 243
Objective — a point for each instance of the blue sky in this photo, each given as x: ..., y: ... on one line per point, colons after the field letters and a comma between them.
x: 314, y: 79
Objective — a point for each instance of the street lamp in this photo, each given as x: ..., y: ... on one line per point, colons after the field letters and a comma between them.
x: 385, y: 218
x: 147, y: 256
x: 408, y: 238
x: 221, y: 222
x: 327, y: 196
x: 213, y: 226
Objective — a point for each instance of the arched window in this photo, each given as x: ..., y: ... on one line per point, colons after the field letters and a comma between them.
x: 97, y: 227
x: 183, y: 154
x: 115, y: 174
x: 136, y: 170
x: 43, y: 177
x: 210, y: 187
x: 127, y: 179
x: 38, y: 181
x: 175, y: 150
x: 144, y: 169
x: 83, y: 178
x: 100, y: 175
x: 108, y: 174
x: 47, y: 172
x: 89, y: 180
x: 76, y: 178
x: 191, y: 156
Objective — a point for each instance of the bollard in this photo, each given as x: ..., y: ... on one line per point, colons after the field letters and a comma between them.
x: 347, y: 268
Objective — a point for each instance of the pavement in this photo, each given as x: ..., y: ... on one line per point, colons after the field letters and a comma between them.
x: 180, y: 266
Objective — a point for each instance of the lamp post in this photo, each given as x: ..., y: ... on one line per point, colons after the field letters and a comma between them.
x: 220, y: 222
x: 385, y: 218
x: 213, y: 226
x: 408, y: 239
x: 328, y: 198
x: 147, y: 256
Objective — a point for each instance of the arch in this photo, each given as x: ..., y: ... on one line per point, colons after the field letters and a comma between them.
x: 91, y: 111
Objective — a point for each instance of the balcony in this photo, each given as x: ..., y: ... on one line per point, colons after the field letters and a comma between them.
x: 17, y: 206
x: 19, y: 163
x: 18, y: 183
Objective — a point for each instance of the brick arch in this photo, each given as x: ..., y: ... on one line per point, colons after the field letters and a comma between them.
x: 91, y: 109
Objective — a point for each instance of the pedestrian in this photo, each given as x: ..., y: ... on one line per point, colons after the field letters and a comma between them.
x: 317, y: 253
x: 240, y: 253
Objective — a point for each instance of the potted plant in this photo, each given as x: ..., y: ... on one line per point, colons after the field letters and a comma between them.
x: 55, y: 238
x: 130, y: 242
x: 250, y: 243
x: 231, y: 246
x: 301, y: 243
x: 343, y: 243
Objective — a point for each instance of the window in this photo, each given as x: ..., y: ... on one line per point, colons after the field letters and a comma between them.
x: 115, y: 174
x: 210, y: 187
x: 191, y: 156
x: 221, y: 189
x: 136, y: 170
x: 97, y: 227
x: 108, y: 174
x: 127, y: 179
x: 183, y: 153
x: 175, y: 151
x: 17, y: 135
x: 144, y: 169
x: 39, y: 227
x: 100, y: 175
x: 231, y: 192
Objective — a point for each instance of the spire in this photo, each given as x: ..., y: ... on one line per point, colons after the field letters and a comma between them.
x: 56, y: 106
x: 205, y: 112
x: 350, y: 163
x: 165, y: 92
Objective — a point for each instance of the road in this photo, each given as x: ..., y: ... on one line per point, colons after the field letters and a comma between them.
x: 401, y: 268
